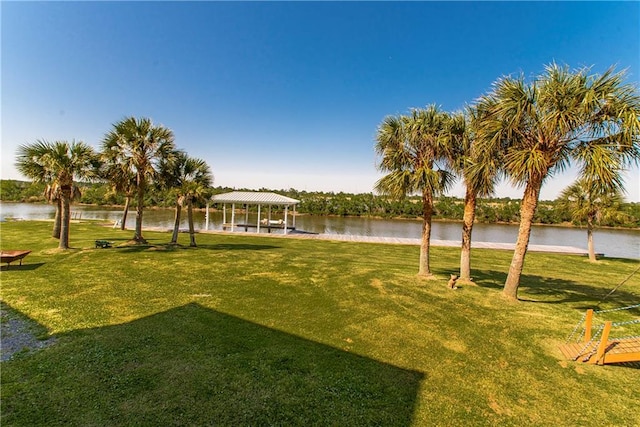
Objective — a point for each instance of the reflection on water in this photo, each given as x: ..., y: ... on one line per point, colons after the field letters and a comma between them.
x: 613, y: 243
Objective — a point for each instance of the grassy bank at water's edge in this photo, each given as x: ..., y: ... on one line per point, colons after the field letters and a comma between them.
x: 257, y: 330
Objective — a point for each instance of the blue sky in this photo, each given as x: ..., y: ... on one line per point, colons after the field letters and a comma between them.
x: 285, y: 94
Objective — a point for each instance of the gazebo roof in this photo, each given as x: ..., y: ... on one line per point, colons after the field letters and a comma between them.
x: 254, y: 198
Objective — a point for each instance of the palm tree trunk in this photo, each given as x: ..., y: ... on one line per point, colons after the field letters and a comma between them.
x: 57, y: 219
x: 527, y: 210
x: 176, y: 223
x: 590, y: 246
x: 125, y: 211
x: 139, y: 210
x: 192, y: 233
x: 467, y: 227
x: 65, y: 216
x: 427, y: 213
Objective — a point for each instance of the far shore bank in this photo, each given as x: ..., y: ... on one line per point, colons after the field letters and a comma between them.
x: 132, y: 210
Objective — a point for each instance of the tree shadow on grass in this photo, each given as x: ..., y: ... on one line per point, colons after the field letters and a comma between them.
x: 547, y: 290
x: 217, y: 247
x: 238, y: 247
x: 622, y: 260
x: 489, y: 278
x: 137, y: 248
x: 195, y: 366
x: 115, y: 239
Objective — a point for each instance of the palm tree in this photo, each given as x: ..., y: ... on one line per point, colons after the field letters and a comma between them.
x: 169, y: 180
x: 123, y: 180
x: 191, y: 179
x: 52, y: 194
x: 30, y: 163
x: 139, y: 146
x: 559, y: 118
x: 479, y: 173
x: 57, y: 164
x: 416, y: 151
x: 591, y: 203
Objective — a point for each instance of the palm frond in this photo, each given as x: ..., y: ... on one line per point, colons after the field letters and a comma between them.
x: 136, y: 147
x: 589, y: 200
x: 418, y: 150
x: 560, y: 117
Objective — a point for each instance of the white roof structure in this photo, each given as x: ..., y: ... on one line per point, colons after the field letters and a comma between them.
x: 254, y: 198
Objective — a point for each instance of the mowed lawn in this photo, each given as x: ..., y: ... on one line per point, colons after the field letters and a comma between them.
x: 248, y: 330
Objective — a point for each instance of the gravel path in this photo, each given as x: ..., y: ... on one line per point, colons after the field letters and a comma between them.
x: 17, y: 335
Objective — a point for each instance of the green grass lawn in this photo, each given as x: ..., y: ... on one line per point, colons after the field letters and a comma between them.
x: 248, y: 330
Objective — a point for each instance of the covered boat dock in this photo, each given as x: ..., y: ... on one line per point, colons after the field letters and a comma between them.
x: 259, y: 198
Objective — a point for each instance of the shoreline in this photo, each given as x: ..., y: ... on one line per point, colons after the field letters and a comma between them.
x: 476, y: 244
x: 442, y: 220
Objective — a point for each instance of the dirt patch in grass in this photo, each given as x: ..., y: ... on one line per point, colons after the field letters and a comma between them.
x: 497, y: 408
x: 377, y: 284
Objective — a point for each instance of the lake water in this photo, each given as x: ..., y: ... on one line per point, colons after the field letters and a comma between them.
x: 613, y: 243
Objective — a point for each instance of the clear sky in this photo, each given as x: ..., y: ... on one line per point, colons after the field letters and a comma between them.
x: 285, y: 94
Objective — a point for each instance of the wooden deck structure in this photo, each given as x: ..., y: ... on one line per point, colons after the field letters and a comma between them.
x: 600, y: 347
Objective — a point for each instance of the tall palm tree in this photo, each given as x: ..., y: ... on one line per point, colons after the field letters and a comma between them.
x: 559, y: 118
x: 57, y: 164
x: 591, y: 203
x: 30, y: 163
x: 123, y: 180
x: 169, y: 181
x: 52, y: 195
x: 191, y: 180
x: 139, y: 146
x: 416, y: 151
x: 479, y: 173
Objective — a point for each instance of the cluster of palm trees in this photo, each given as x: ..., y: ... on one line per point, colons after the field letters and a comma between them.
x: 524, y: 131
x: 135, y: 154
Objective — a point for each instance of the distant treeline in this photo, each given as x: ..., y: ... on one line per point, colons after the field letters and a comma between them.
x: 491, y: 210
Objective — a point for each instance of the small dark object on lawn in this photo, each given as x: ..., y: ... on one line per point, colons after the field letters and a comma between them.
x: 103, y: 244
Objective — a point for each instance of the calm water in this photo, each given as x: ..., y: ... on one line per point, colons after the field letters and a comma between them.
x: 613, y: 243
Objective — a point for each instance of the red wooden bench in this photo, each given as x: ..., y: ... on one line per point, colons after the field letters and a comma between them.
x: 11, y: 256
